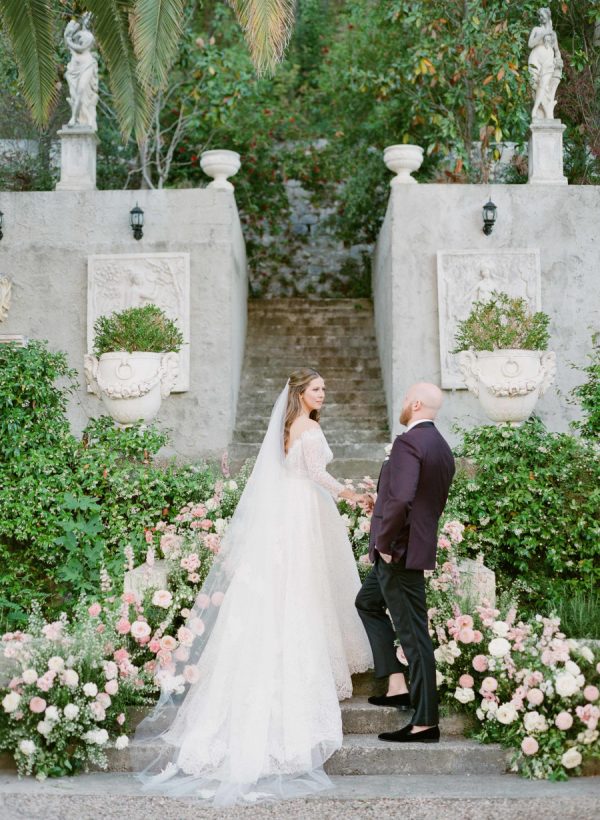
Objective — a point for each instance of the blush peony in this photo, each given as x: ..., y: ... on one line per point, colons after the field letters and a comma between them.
x: 37, y: 705
x: 529, y: 745
x: 480, y: 663
x: 563, y: 721
x: 140, y: 629
x: 571, y: 758
x: 535, y: 696
x: 162, y: 598
x: 499, y: 647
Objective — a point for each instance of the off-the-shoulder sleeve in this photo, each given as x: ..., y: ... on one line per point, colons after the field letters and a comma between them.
x: 315, y: 458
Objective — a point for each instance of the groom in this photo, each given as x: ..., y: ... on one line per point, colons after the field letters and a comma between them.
x: 411, y: 495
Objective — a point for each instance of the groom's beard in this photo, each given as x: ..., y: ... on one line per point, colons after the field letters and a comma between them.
x: 405, y: 416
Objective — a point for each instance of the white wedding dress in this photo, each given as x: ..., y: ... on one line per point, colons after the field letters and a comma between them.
x: 262, y: 715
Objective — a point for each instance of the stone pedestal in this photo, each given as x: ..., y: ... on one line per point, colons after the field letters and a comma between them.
x: 477, y: 582
x: 77, y: 159
x: 141, y: 578
x: 546, y: 153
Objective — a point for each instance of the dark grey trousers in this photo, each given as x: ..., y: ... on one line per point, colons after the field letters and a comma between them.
x: 402, y: 592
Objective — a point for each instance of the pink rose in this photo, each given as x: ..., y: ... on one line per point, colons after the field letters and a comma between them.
x: 168, y: 642
x: 128, y: 598
x: 37, y: 705
x: 480, y: 663
x: 466, y: 681
x: 199, y: 511
x: 217, y: 598
x: 191, y: 674
x: 193, y: 577
x: 94, y: 610
x: 123, y: 626
x: 206, y: 524
x: 139, y: 630
x: 477, y: 636
x: 443, y: 542
x: 591, y: 693
x: 185, y: 636
x: 148, y: 536
x: 535, y: 696
x: 563, y: 721
x: 170, y: 543
x: 203, y: 601
x: 162, y: 598
x: 529, y: 745
x: 121, y: 654
x: 154, y: 645
x: 465, y: 635
x: 197, y: 626
x: 121, y: 719
x: 489, y: 685
x: 464, y: 621
x: 182, y: 654
x: 111, y: 687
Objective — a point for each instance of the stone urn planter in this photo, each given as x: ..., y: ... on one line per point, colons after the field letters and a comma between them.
x: 403, y: 160
x: 132, y: 385
x: 220, y: 164
x: 508, y: 383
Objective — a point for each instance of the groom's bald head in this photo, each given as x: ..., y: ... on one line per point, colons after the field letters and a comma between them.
x: 422, y: 401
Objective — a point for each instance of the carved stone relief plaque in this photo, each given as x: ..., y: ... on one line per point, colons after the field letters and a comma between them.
x: 465, y: 277
x: 120, y: 281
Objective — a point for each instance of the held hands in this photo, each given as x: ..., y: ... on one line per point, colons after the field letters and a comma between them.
x: 365, y: 500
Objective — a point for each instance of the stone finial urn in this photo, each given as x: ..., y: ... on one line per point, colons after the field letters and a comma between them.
x: 220, y: 164
x: 132, y: 385
x: 403, y: 160
x: 508, y: 383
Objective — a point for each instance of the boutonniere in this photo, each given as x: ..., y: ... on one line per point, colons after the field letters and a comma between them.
x: 388, y: 450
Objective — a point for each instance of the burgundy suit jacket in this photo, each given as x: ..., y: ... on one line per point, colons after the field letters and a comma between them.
x: 411, y: 495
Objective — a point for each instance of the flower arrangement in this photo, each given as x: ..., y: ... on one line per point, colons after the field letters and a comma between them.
x: 66, y: 701
x: 528, y: 686
x: 502, y: 322
x: 145, y: 329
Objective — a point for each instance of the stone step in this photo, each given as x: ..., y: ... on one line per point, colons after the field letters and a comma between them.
x: 330, y: 414
x: 356, y: 469
x: 348, y: 395
x: 367, y: 451
x: 280, y: 364
x: 385, y: 797
x: 340, y: 436
x: 366, y: 754
x: 361, y: 325
x: 292, y: 304
x: 316, y: 342
x: 359, y: 717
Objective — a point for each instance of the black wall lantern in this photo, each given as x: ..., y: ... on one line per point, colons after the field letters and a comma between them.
x: 489, y: 217
x: 136, y: 220
x: 1, y: 220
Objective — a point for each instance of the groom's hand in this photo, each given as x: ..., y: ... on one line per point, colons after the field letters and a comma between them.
x: 386, y: 558
x: 367, y: 503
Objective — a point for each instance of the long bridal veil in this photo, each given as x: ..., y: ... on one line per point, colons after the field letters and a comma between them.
x: 218, y: 723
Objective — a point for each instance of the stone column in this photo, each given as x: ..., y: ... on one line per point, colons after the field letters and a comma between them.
x: 546, y: 152
x: 77, y: 159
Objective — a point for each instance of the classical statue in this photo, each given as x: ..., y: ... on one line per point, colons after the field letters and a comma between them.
x: 82, y: 73
x: 545, y: 66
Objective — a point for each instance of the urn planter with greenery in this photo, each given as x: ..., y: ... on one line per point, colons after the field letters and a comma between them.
x: 503, y: 357
x: 135, y: 362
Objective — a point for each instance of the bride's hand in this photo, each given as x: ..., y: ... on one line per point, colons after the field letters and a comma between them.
x: 367, y: 502
x: 349, y: 495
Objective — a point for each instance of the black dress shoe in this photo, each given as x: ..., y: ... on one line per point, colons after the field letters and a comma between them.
x: 401, y: 702
x: 405, y: 735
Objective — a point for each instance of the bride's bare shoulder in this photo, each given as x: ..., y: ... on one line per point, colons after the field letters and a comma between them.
x: 300, y: 426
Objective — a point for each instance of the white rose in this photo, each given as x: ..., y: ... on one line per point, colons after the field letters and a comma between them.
x: 122, y: 742
x: 71, y: 711
x: 27, y: 747
x: 464, y: 694
x: 506, y: 713
x: 51, y: 713
x: 587, y: 654
x: 565, y: 685
x: 97, y: 736
x: 90, y: 689
x: 480, y: 714
x: 499, y: 647
x: 44, y: 727
x: 11, y: 702
x: 454, y: 649
x: 232, y: 485
x: 56, y: 663
x: 500, y: 628
x: 111, y: 670
x: 534, y: 722
x: 211, y: 504
x: 571, y: 666
x: 29, y: 676
x: 439, y: 678
x: 571, y: 758
x: 70, y: 678
x: 220, y: 526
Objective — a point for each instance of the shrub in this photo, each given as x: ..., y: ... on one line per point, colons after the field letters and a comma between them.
x: 530, y: 500
x: 144, y: 328
x: 503, y: 322
x: 588, y: 395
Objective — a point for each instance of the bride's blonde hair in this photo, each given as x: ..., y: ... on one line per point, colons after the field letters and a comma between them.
x: 298, y: 382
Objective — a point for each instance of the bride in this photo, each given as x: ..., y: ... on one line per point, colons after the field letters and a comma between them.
x: 273, y: 638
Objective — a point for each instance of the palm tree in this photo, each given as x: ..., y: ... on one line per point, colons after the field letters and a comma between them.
x: 138, y: 40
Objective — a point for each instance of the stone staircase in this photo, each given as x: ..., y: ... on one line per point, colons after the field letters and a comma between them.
x: 337, y: 338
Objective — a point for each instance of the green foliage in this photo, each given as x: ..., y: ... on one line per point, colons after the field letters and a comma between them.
x: 144, y: 328
x: 530, y: 501
x: 69, y: 506
x: 500, y: 323
x: 588, y: 395
x: 579, y: 612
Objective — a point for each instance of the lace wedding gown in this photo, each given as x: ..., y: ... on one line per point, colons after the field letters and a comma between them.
x: 263, y: 715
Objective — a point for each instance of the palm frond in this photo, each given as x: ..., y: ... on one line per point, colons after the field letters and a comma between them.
x: 156, y: 31
x: 111, y: 27
x: 267, y: 26
x: 29, y: 26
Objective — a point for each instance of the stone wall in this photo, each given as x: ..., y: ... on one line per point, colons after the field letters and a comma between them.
x: 47, y: 240
x: 559, y: 221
